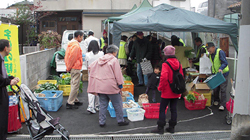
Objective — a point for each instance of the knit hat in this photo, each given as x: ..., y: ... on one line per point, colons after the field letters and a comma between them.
x: 169, y: 50
x: 104, y: 32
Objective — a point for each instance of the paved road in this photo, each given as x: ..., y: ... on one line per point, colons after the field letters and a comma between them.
x: 79, y: 121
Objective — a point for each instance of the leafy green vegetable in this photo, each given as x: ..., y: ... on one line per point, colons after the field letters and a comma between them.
x: 190, y: 97
x: 46, y: 86
x: 127, y: 78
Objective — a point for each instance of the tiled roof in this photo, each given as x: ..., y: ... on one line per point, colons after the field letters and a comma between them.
x: 235, y: 5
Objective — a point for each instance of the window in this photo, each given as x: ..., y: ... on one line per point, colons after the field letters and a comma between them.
x: 48, y: 24
x: 67, y: 19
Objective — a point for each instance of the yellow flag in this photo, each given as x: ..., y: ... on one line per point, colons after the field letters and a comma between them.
x: 12, y: 61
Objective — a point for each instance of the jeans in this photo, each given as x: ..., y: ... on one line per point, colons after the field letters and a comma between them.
x: 139, y: 75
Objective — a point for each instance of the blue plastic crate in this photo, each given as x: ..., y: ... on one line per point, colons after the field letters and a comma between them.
x: 49, y: 102
x: 130, y: 97
x: 111, y: 110
x: 215, y: 80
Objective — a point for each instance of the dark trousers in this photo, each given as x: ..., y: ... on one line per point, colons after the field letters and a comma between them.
x: 220, y: 93
x: 148, y: 89
x: 4, y: 112
x: 173, y: 109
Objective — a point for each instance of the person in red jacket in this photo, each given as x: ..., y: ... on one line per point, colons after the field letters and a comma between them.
x: 167, y: 95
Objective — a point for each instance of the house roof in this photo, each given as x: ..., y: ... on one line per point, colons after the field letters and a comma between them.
x: 22, y: 3
x: 235, y: 5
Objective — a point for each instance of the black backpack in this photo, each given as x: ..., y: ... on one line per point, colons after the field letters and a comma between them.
x: 178, y: 86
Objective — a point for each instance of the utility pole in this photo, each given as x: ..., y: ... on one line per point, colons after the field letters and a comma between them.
x: 241, y: 116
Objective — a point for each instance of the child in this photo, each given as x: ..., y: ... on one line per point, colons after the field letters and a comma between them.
x: 153, y: 81
x: 167, y: 95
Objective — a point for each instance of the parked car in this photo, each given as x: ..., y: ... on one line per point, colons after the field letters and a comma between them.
x: 203, y: 8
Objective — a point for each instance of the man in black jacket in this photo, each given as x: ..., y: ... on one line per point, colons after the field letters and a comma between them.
x: 141, y: 49
x: 5, y: 80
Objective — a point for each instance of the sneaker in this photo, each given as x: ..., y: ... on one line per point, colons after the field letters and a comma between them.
x: 91, y: 110
x: 97, y: 108
x: 216, y: 103
x: 78, y: 103
x: 69, y: 106
x: 102, y: 125
x: 123, y: 123
x: 221, y: 108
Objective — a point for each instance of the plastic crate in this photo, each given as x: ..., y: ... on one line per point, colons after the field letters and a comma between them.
x: 152, y: 110
x: 65, y: 88
x: 135, y: 114
x: 129, y: 88
x: 14, y: 123
x: 49, y: 102
x: 46, y: 81
x: 111, y: 110
x: 197, y: 105
x: 215, y: 80
x: 130, y: 97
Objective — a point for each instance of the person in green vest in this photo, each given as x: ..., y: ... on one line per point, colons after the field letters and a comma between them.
x: 102, y: 39
x: 123, y: 51
x: 219, y: 64
x: 201, y: 50
x: 181, y: 42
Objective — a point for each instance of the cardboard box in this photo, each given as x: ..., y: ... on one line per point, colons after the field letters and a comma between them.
x: 201, y: 88
x: 85, y: 75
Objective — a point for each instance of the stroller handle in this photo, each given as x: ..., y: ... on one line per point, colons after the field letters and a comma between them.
x: 15, y: 91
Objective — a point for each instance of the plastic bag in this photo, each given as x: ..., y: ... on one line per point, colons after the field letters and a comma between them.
x: 205, y: 65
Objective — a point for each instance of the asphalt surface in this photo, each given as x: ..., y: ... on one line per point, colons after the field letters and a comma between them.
x: 79, y: 121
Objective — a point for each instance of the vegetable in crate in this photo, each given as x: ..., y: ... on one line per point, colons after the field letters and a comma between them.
x: 127, y: 78
x: 191, y: 97
x: 46, y: 86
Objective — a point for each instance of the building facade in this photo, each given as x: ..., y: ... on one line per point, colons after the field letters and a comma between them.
x: 89, y: 14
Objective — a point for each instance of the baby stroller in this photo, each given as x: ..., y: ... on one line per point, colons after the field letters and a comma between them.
x: 41, y: 123
x: 230, y: 105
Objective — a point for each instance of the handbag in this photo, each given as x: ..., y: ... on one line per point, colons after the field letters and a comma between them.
x: 146, y: 66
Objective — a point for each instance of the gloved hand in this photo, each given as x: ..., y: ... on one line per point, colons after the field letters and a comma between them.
x: 129, y: 58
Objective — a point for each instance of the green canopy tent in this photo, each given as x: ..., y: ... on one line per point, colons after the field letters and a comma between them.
x: 167, y: 18
x: 145, y: 5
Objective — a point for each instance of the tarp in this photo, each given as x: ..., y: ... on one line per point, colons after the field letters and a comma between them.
x: 145, y: 5
x: 167, y: 18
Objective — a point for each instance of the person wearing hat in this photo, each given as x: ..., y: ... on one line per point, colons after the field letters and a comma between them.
x: 141, y: 49
x: 102, y: 39
x: 201, y: 50
x: 167, y: 95
x: 89, y: 39
x: 219, y: 64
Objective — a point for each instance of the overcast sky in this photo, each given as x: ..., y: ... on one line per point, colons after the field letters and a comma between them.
x: 6, y: 3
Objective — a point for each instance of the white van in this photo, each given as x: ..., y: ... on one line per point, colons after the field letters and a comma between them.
x: 67, y: 36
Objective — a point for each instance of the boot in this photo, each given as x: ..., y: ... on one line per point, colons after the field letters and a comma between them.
x: 160, y: 127
x: 172, y: 124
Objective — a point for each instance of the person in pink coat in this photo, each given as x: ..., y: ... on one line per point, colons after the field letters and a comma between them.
x: 167, y: 95
x: 105, y: 79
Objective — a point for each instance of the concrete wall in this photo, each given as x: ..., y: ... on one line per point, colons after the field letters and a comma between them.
x: 35, y: 66
x: 97, y: 5
x: 218, y: 8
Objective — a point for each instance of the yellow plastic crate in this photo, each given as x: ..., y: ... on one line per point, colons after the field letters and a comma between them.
x: 207, y: 95
x: 129, y: 88
x: 46, y: 81
x: 65, y: 88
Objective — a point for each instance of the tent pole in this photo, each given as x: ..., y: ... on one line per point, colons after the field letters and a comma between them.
x: 108, y: 32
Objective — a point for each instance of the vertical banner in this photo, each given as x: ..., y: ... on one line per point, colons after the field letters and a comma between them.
x: 12, y: 61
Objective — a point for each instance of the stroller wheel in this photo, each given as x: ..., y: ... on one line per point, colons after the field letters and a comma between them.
x: 229, y: 121
x: 65, y: 134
